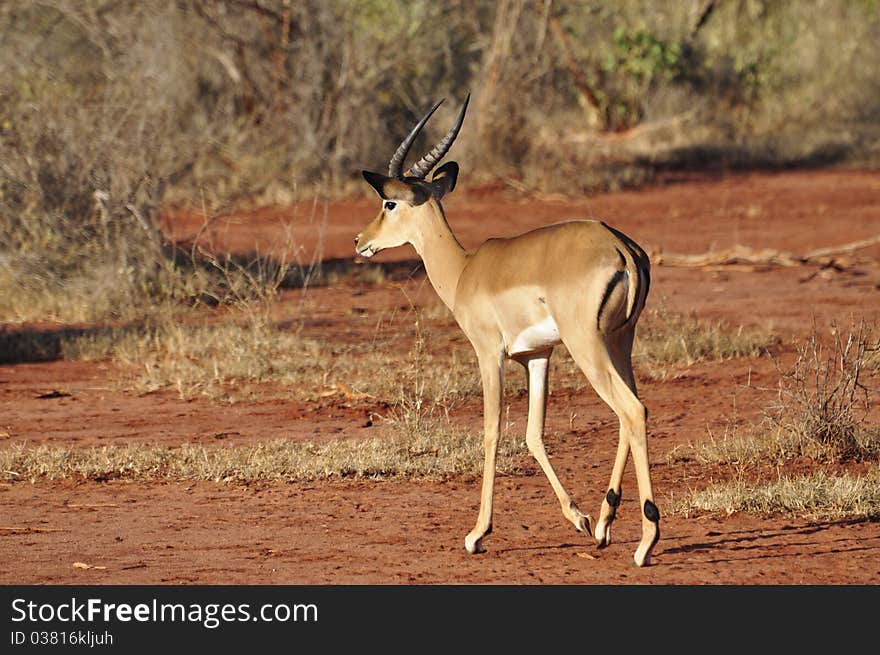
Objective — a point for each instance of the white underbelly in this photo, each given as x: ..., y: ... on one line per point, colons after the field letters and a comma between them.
x: 535, y: 337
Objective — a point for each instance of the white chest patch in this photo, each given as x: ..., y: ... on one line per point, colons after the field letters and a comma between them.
x: 535, y: 337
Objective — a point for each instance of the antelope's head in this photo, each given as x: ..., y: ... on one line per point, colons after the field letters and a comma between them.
x: 405, y: 197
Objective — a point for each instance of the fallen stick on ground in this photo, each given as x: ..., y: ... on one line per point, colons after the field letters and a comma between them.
x: 766, y: 256
x: 836, y: 250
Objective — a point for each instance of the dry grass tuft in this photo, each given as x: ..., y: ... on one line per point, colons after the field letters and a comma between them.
x: 434, y: 451
x: 818, y: 496
x: 820, y: 411
x: 819, y: 416
x: 182, y: 351
x: 822, y: 401
x: 204, y: 359
x: 666, y: 341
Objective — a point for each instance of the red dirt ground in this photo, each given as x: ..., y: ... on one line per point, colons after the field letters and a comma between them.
x: 366, y: 531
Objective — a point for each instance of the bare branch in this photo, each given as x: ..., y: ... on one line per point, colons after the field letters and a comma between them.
x: 574, y: 68
x: 702, y: 18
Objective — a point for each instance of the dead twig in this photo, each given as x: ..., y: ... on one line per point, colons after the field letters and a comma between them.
x: 745, y: 255
x: 846, y: 248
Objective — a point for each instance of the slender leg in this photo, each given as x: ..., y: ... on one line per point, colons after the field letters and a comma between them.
x: 592, y: 354
x: 537, y: 368
x: 492, y: 374
x: 621, y: 354
x: 612, y: 497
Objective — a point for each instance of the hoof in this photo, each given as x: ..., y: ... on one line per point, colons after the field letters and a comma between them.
x: 474, y: 545
x: 641, y: 558
x: 584, y: 523
x: 606, y: 518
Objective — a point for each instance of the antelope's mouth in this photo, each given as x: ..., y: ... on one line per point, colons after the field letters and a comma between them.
x: 367, y: 251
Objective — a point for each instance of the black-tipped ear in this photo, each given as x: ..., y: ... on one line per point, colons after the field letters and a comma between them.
x: 444, y: 179
x: 377, y: 181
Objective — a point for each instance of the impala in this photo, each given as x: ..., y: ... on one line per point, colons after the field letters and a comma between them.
x: 578, y: 283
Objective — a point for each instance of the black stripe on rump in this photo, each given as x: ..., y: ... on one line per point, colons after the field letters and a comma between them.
x: 618, y: 275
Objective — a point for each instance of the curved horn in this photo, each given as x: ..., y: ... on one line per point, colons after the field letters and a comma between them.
x: 395, y: 166
x: 426, y: 163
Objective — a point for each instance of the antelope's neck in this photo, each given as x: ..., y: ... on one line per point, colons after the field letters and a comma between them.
x: 442, y: 254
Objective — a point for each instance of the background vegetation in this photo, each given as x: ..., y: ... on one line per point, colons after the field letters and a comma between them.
x: 111, y: 110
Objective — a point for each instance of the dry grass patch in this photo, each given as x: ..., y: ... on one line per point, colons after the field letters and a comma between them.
x: 819, y: 417
x: 763, y: 448
x: 822, y: 400
x: 205, y: 359
x: 181, y: 350
x: 666, y: 341
x: 422, y: 372
x: 228, y: 357
x: 435, y: 450
x: 818, y: 496
x: 820, y: 411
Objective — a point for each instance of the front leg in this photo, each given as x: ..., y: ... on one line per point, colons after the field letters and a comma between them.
x: 537, y: 367
x: 492, y: 374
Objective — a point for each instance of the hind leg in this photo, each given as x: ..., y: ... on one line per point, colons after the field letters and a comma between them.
x: 610, y: 502
x: 600, y: 362
x: 620, y: 350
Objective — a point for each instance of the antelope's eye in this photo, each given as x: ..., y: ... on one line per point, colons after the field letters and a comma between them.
x: 390, y: 205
